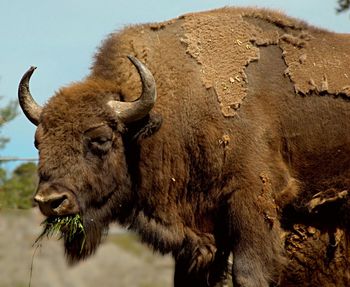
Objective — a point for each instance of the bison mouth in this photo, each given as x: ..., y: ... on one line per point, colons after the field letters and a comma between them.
x: 81, y: 235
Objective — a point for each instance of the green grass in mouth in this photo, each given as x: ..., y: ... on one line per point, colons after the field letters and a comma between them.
x: 64, y: 226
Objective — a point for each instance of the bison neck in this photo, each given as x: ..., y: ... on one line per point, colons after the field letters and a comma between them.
x: 177, y: 175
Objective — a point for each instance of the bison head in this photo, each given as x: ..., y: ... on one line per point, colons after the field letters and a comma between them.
x: 82, y: 164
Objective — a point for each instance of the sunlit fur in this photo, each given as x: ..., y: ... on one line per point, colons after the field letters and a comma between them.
x: 199, y: 185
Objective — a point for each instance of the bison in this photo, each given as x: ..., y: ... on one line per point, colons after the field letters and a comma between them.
x: 239, y: 144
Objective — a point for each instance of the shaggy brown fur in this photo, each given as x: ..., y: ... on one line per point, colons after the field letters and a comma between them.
x: 213, y: 170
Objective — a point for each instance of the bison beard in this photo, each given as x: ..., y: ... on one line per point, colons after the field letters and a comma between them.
x: 84, y: 245
x: 95, y: 221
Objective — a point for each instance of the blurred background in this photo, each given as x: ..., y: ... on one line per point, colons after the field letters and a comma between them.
x: 61, y: 37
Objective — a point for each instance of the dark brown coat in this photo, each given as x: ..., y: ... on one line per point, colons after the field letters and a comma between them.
x: 247, y: 149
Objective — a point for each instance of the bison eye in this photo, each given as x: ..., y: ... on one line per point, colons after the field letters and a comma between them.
x: 100, y: 145
x: 99, y: 139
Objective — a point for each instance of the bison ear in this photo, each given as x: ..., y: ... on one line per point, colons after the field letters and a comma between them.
x: 145, y: 128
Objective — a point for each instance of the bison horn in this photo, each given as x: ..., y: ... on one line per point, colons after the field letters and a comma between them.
x: 30, y: 108
x: 132, y: 111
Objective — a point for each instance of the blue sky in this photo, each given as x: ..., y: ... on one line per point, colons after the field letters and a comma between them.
x: 60, y: 38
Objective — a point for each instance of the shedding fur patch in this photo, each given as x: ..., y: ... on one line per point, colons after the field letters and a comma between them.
x: 317, y: 60
x: 321, y: 65
x: 225, y: 41
x: 221, y: 45
x: 332, y: 270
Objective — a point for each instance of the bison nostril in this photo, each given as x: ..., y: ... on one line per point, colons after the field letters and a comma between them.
x: 57, y: 202
x: 53, y: 203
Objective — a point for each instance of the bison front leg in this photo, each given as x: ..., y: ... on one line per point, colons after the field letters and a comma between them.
x: 199, y: 263
x: 212, y: 275
x: 257, y: 247
x: 182, y: 276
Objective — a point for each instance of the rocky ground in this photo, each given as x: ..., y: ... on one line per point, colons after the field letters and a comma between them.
x: 120, y: 261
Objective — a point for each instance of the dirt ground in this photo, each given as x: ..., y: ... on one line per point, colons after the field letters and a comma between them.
x: 120, y: 261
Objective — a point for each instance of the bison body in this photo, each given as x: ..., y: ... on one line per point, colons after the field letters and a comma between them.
x: 243, y: 149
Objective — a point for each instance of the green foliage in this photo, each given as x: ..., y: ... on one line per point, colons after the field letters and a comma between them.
x: 16, y: 190
x: 343, y: 5
x: 8, y: 113
x: 66, y: 226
